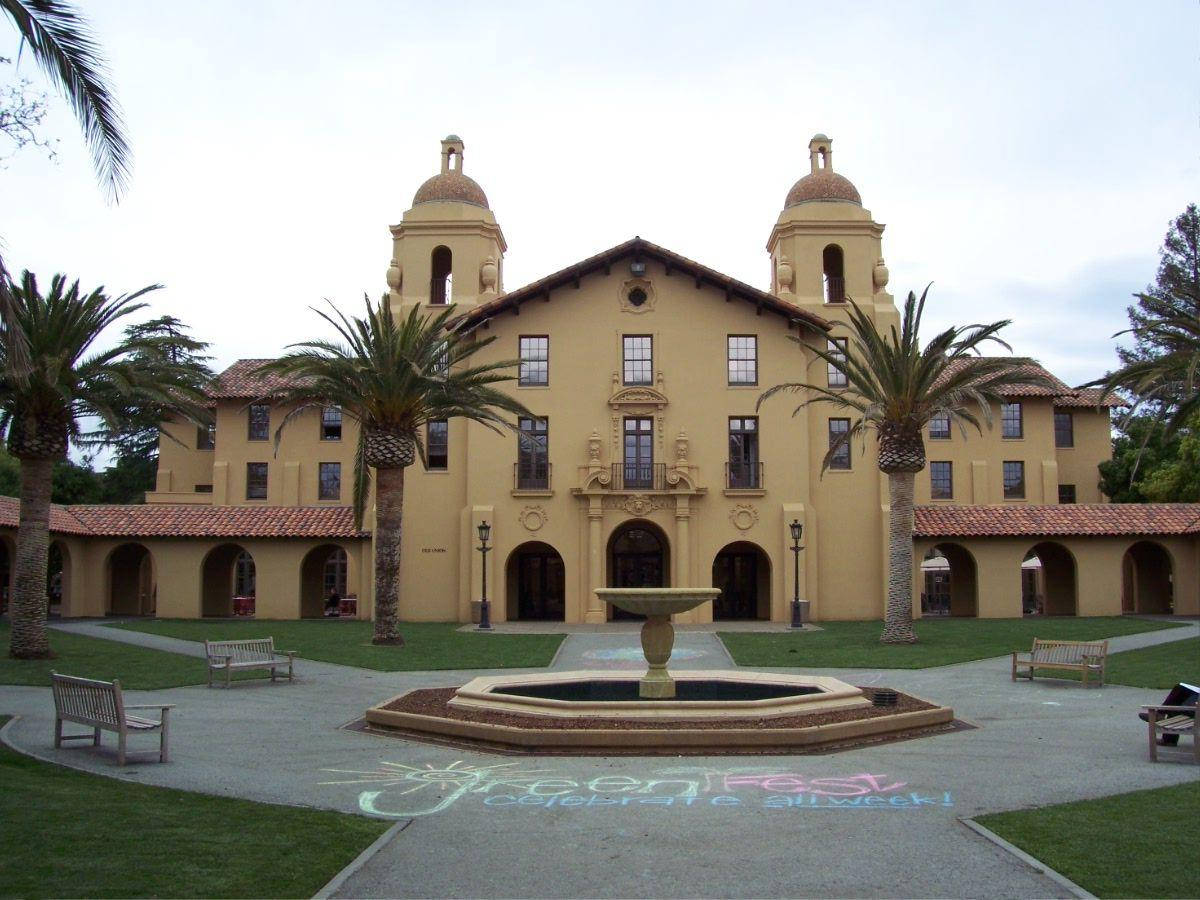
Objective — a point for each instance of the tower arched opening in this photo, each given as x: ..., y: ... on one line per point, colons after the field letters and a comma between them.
x: 833, y: 274
x: 1147, y: 580
x: 950, y: 582
x: 228, y: 582
x: 131, y: 582
x: 441, y: 284
x: 1049, y: 585
x: 323, y: 577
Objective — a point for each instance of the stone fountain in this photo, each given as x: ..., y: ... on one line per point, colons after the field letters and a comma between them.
x: 658, y: 635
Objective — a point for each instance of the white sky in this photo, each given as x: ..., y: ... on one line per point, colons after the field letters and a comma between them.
x: 1026, y: 157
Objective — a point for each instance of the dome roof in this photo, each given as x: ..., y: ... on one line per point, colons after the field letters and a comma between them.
x: 451, y: 186
x: 822, y: 185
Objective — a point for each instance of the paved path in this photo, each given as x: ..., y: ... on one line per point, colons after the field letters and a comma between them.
x: 875, y: 821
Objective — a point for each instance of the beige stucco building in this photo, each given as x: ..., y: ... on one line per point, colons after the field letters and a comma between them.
x: 649, y: 460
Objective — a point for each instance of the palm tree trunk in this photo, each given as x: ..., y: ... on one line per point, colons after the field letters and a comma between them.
x: 897, y: 626
x: 389, y: 504
x: 33, y: 538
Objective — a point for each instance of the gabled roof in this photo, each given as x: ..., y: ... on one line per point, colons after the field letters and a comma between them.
x: 643, y: 249
x: 186, y: 521
x: 1088, y: 398
x: 1056, y: 387
x: 239, y: 382
x: 1062, y: 520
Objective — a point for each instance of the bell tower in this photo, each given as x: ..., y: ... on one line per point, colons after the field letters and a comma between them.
x: 448, y: 248
x: 825, y: 247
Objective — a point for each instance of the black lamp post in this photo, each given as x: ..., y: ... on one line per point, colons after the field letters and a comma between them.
x: 485, y: 612
x: 798, y: 611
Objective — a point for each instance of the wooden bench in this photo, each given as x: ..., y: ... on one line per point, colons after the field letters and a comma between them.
x: 1086, y: 657
x: 1172, y: 721
x: 237, y: 656
x: 101, y: 705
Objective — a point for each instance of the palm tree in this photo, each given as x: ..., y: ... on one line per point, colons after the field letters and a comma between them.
x: 61, y: 43
x: 68, y: 381
x: 896, y: 387
x: 392, y: 377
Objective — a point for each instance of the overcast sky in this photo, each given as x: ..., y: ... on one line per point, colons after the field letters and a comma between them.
x: 1026, y: 157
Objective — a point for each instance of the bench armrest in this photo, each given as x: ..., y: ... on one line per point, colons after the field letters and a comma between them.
x: 1093, y: 658
x: 1174, y: 709
x: 290, y: 654
x: 150, y: 706
x: 1028, y: 653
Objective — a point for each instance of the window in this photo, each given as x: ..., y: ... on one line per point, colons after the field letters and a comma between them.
x: 744, y: 471
x: 437, y: 445
x: 244, y: 576
x: 334, y: 574
x: 441, y: 363
x: 206, y: 437
x: 834, y: 282
x: 1066, y: 493
x: 742, y: 358
x: 838, y: 429
x: 837, y: 349
x: 535, y: 360
x: 329, y: 481
x: 441, y: 285
x: 331, y: 423
x: 1064, y: 429
x: 941, y: 481
x: 202, y: 488
x: 258, y: 418
x: 1014, y: 480
x: 939, y: 427
x: 533, y: 454
x: 1011, y: 425
x: 256, y: 481
x: 639, y: 452
x: 638, y: 359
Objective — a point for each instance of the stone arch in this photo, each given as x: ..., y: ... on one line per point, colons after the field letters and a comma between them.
x: 951, y: 582
x: 1147, y: 579
x: 132, y: 586
x: 639, y: 555
x: 322, y: 570
x: 228, y: 569
x: 833, y: 274
x: 58, y: 579
x: 441, y: 264
x: 1049, y: 587
x: 535, y: 583
x: 742, y: 570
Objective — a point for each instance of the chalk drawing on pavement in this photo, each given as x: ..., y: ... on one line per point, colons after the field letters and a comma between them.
x: 636, y: 654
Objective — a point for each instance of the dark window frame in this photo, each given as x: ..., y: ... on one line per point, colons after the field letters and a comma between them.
x: 252, y: 412
x: 252, y: 480
x: 940, y: 434
x: 206, y: 437
x: 744, y: 446
x: 321, y: 483
x: 737, y: 364
x: 1066, y: 491
x: 842, y: 462
x: 836, y: 346
x: 641, y: 466
x: 1010, y: 493
x: 442, y: 445
x: 527, y: 377
x: 634, y: 362
x: 1007, y: 421
x: 328, y: 424
x: 941, y: 488
x: 533, y: 453
x: 1064, y: 437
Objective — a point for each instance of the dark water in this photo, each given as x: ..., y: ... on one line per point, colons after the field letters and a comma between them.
x: 621, y: 691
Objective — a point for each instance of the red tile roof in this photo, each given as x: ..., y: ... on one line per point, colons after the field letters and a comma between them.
x: 1090, y: 519
x: 640, y: 248
x: 239, y: 382
x: 1056, y: 388
x: 167, y: 520
x: 1088, y: 397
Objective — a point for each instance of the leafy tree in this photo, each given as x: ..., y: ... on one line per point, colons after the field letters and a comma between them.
x: 1162, y: 371
x: 67, y: 382
x: 1142, y: 447
x: 896, y: 386
x: 393, y: 377
x: 22, y: 111
x: 1178, y: 480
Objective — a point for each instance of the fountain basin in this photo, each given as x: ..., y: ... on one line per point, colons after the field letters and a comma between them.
x: 755, y: 695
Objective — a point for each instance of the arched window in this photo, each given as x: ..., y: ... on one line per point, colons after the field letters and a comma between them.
x: 834, y: 274
x: 440, y: 285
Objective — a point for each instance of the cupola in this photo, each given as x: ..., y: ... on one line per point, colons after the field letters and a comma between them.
x: 822, y: 184
x: 451, y: 185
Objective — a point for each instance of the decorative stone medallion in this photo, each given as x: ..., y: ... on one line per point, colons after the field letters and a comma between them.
x: 532, y: 518
x: 743, y: 516
x: 637, y: 296
x: 635, y: 504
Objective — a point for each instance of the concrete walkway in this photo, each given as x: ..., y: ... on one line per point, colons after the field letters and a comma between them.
x: 878, y: 821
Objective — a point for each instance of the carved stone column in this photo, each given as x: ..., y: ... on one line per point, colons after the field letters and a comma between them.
x: 594, y: 611
x: 683, y: 545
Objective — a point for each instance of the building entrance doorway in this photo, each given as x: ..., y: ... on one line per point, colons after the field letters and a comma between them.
x: 637, y: 558
x: 536, y: 584
x: 743, y: 573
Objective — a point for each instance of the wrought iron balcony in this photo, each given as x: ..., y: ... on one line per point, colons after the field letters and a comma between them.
x: 532, y: 475
x: 630, y: 476
x: 744, y: 476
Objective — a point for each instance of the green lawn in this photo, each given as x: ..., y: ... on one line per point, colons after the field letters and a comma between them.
x: 137, y: 667
x: 428, y: 645
x: 70, y: 834
x: 941, y: 642
x: 1152, y: 853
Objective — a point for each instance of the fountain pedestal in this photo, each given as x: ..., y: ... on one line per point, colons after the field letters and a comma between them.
x: 658, y: 635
